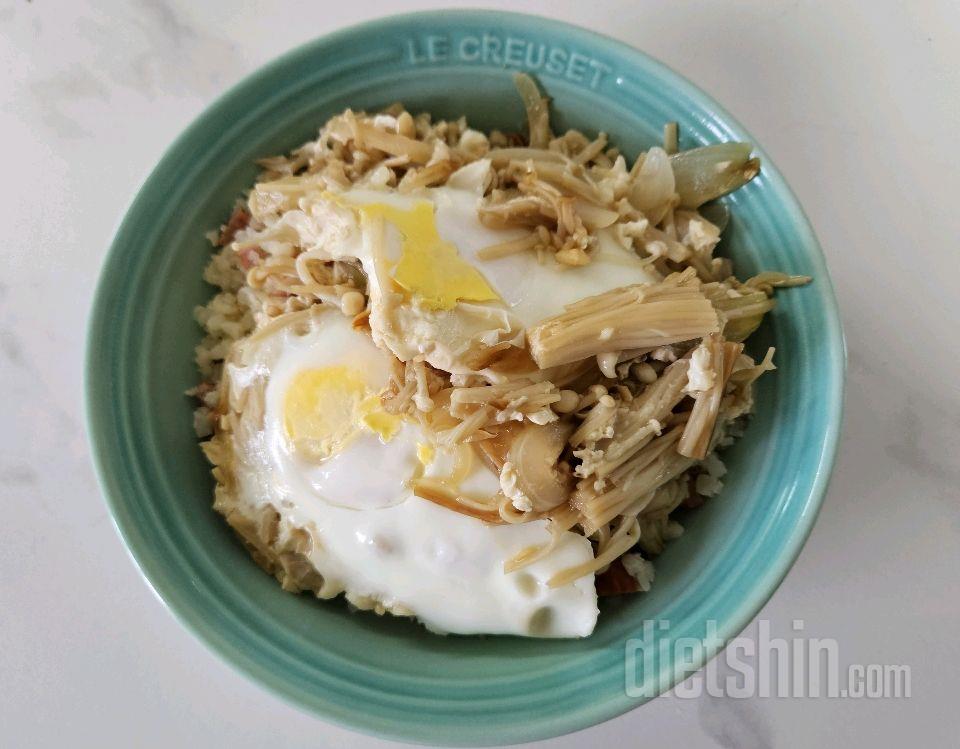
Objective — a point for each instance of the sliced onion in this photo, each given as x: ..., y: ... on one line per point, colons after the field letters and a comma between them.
x: 706, y: 173
x: 593, y: 216
x: 534, y: 454
x: 717, y: 214
x: 494, y: 451
x: 538, y: 115
x: 654, y: 184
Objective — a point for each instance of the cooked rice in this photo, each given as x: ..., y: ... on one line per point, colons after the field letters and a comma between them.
x: 644, y: 433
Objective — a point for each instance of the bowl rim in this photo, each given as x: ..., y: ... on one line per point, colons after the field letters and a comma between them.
x: 164, y: 588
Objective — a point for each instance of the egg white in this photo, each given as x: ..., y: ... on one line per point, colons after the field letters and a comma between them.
x: 530, y: 288
x: 372, y: 539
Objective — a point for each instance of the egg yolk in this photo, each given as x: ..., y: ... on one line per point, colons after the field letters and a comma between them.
x: 430, y: 269
x: 323, y: 409
x: 425, y: 453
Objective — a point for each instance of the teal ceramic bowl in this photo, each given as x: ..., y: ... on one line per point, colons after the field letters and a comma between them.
x: 387, y: 676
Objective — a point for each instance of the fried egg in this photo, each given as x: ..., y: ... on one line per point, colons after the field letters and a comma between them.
x: 313, y: 440
x: 431, y: 294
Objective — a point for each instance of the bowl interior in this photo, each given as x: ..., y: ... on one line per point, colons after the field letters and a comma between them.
x: 385, y: 675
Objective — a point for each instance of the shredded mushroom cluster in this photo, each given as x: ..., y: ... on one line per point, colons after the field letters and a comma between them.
x: 603, y: 419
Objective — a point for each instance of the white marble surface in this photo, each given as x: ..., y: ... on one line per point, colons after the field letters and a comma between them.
x: 858, y: 104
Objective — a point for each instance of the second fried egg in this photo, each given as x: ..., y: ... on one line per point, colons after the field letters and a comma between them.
x: 431, y: 294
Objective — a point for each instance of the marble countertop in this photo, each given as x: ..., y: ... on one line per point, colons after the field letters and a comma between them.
x: 857, y: 105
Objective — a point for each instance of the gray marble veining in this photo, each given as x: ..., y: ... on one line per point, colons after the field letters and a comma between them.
x: 857, y: 107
